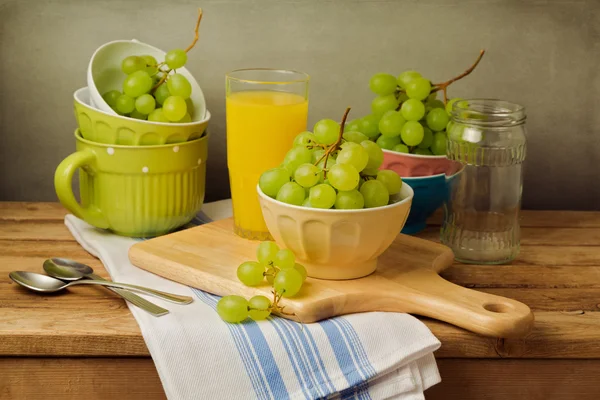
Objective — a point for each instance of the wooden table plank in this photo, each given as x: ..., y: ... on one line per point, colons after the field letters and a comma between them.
x: 545, y: 219
x: 23, y: 211
x: 517, y: 379
x: 35, y: 230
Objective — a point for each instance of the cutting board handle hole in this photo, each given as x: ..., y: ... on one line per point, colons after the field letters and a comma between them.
x: 498, y: 307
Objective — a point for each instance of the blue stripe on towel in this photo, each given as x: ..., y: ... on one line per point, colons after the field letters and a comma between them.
x: 351, y: 368
x: 253, y: 333
x: 249, y: 362
x: 323, y: 382
x: 315, y: 349
x: 357, y: 346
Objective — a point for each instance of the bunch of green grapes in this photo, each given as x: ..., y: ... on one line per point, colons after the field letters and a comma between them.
x: 151, y: 92
x: 279, y: 268
x: 325, y: 169
x: 406, y: 115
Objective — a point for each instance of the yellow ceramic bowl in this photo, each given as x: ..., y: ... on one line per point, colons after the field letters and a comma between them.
x: 100, y: 127
x: 336, y: 244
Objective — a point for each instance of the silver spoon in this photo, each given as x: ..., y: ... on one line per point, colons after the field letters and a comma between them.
x: 61, y: 268
x: 48, y: 284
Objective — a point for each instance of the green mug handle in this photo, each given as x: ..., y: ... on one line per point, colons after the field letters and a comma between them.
x: 62, y: 184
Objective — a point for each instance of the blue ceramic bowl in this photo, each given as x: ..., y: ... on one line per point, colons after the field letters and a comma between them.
x: 430, y: 193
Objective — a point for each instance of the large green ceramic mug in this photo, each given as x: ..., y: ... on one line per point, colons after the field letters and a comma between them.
x: 139, y: 191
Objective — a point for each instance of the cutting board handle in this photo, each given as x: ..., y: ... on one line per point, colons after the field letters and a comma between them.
x: 480, y: 312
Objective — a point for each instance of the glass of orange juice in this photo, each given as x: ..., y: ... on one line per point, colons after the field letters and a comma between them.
x: 266, y: 110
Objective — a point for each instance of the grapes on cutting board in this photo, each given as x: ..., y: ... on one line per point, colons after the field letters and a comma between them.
x: 327, y: 169
x: 407, y: 116
x: 276, y: 266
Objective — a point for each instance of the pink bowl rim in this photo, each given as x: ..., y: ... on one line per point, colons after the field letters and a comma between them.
x: 334, y: 211
x: 392, y: 152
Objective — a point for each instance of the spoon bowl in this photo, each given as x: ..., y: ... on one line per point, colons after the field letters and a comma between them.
x: 37, y: 282
x: 66, y: 270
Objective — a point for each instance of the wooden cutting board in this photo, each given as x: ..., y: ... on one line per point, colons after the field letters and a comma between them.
x: 406, y: 280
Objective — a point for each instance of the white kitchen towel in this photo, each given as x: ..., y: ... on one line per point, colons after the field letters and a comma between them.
x: 198, y: 356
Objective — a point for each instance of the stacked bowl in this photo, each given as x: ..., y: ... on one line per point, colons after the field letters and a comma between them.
x: 430, y: 177
x: 137, y: 178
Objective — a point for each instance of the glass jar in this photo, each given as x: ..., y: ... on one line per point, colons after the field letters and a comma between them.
x: 481, y: 216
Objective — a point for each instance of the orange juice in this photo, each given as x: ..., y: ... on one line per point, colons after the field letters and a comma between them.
x: 261, y: 127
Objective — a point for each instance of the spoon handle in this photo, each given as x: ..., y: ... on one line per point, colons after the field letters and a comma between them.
x: 134, y: 299
x: 175, y: 298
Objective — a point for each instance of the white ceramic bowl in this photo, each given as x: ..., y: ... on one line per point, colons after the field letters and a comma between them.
x: 104, y: 73
x: 336, y: 244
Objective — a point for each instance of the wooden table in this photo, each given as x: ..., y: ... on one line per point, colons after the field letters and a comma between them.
x: 86, y: 345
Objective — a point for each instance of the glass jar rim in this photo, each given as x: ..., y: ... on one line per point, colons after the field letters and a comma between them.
x: 302, y: 77
x: 493, y: 112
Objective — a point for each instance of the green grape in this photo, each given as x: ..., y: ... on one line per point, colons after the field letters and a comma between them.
x: 427, y: 138
x: 124, y: 104
x: 355, y: 136
x: 369, y: 126
x: 346, y: 145
x: 145, y: 104
x: 330, y: 162
x: 391, y: 123
x: 288, y: 282
x: 356, y: 156
x: 349, y: 200
x: 270, y: 274
x: 190, y: 106
x: 260, y: 307
x: 375, y: 154
x: 271, y: 181
x: 401, y: 148
x: 437, y: 119
x: 306, y: 202
x: 111, y: 98
x: 176, y: 58
x: 402, y: 97
x: 382, y: 104
x: 326, y: 131
x: 418, y: 88
x: 388, y: 143
x: 438, y: 146
x: 161, y: 94
x: 432, y: 97
x: 435, y: 104
x: 233, y: 308
x: 266, y: 251
x: 305, y: 139
x: 382, y: 84
x: 174, y: 108
x: 179, y: 86
x: 137, y: 84
x: 342, y: 177
x: 412, y: 110
x: 157, y: 116
x: 450, y: 104
x: 406, y: 77
x: 375, y: 193
x: 370, y: 171
x: 131, y: 64
x: 301, y: 270
x: 151, y: 64
x: 423, y: 152
x: 186, y: 118
x: 307, y: 175
x: 138, y: 115
x: 251, y: 273
x: 285, y: 259
x: 412, y: 133
x: 291, y: 193
x: 391, y: 180
x: 317, y: 154
x: 353, y: 125
x: 322, y: 196
x: 295, y: 157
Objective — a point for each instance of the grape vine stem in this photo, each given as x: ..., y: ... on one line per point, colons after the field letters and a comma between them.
x: 335, y: 145
x: 443, y: 86
x: 163, y: 78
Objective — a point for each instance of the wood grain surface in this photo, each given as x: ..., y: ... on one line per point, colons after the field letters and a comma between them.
x: 557, y: 275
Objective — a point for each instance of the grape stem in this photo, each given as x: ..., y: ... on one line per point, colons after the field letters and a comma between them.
x: 443, y: 86
x: 335, y: 145
x: 163, y: 79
